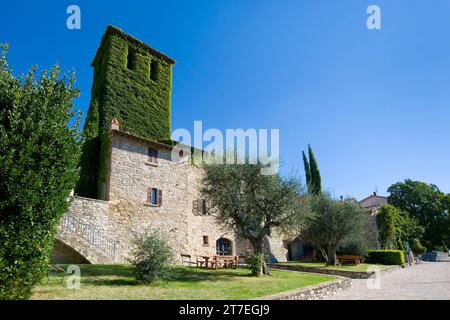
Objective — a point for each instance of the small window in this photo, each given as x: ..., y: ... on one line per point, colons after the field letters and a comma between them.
x: 200, y: 207
x: 154, y: 70
x: 181, y: 153
x: 131, y: 59
x: 154, y: 197
x: 152, y: 155
x: 204, y: 209
x: 205, y: 240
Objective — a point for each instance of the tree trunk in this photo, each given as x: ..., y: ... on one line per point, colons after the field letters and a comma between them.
x: 332, y: 259
x: 258, y: 248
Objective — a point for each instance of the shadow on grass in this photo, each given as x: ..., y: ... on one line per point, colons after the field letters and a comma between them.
x: 122, y: 275
x: 196, y: 275
x: 98, y: 270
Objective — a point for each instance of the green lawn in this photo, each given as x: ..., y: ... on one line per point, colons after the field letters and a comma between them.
x: 359, y: 268
x: 117, y: 282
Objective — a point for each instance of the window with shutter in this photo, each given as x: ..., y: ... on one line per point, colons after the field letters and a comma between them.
x: 154, y: 196
x: 159, y: 200
x: 152, y: 155
x: 195, y: 206
x: 204, y: 208
x: 149, y: 195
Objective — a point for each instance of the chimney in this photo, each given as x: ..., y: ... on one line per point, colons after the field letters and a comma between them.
x: 375, y: 193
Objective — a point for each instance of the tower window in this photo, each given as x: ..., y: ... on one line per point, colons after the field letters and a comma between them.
x: 152, y: 155
x: 154, y: 70
x: 131, y: 58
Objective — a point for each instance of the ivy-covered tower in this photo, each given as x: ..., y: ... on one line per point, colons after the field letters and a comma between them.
x: 132, y: 84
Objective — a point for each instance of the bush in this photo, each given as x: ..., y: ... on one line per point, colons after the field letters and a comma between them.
x: 151, y: 257
x: 417, y: 247
x: 388, y: 257
x: 39, y: 154
x: 255, y: 263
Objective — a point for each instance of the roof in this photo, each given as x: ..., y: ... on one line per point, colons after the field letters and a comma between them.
x: 372, y: 196
x: 150, y: 142
x: 113, y: 30
x: 161, y: 145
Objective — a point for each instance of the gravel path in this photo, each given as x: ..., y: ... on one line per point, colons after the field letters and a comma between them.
x: 426, y: 281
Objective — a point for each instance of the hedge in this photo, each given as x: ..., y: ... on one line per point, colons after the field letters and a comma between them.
x: 388, y: 257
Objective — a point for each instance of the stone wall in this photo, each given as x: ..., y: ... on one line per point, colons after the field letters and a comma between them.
x: 64, y: 254
x: 92, y: 210
x: 85, y: 219
x: 341, y: 273
x: 130, y: 177
x: 128, y: 213
x: 316, y: 292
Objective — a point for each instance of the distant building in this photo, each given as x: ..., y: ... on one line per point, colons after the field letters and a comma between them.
x: 371, y: 204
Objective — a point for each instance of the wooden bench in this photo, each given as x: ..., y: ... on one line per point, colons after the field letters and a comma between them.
x: 186, y: 258
x: 351, y: 259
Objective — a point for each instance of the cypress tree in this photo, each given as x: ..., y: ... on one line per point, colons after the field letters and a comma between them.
x: 307, y: 172
x: 316, y: 180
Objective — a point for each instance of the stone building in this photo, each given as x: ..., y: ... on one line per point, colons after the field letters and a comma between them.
x: 371, y: 204
x: 130, y: 180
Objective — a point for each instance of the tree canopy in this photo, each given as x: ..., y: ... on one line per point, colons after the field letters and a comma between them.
x: 428, y: 205
x: 333, y: 223
x: 395, y: 227
x: 251, y: 204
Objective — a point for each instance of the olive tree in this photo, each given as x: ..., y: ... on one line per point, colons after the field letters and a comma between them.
x: 333, y: 223
x: 252, y: 204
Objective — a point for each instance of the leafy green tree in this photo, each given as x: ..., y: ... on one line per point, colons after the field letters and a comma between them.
x: 313, y: 179
x: 334, y: 223
x: 251, y: 204
x: 39, y: 152
x: 395, y: 227
x: 425, y: 203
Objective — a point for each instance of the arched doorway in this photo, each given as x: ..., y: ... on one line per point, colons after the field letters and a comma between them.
x: 224, y: 247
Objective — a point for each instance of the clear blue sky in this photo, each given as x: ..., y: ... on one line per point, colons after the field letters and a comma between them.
x: 375, y: 105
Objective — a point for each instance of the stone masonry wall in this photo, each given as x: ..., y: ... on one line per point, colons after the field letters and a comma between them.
x: 130, y: 177
x: 127, y: 213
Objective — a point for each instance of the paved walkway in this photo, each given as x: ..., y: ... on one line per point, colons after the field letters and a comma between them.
x: 428, y: 280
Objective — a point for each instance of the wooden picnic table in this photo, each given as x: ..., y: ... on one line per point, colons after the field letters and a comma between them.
x: 217, y: 261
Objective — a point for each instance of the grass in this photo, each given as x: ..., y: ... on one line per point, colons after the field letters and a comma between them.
x: 355, y: 268
x: 106, y: 282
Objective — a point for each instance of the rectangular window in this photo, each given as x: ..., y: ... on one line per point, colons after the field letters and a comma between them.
x: 152, y: 155
x: 154, y: 70
x: 131, y: 57
x: 204, y: 209
x: 199, y: 207
x: 154, y: 196
x: 205, y: 240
